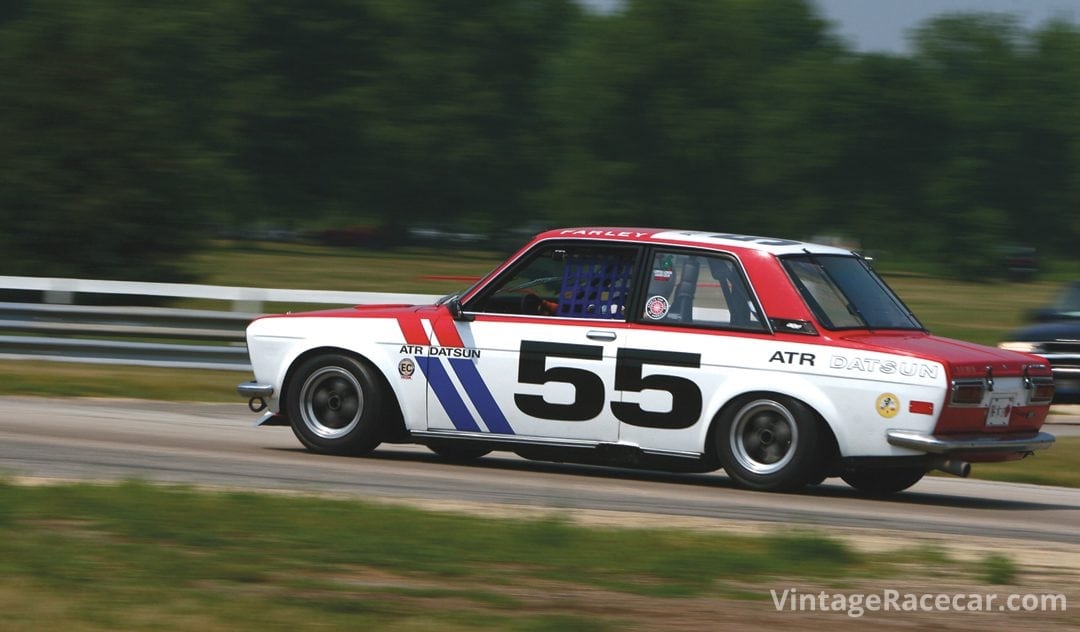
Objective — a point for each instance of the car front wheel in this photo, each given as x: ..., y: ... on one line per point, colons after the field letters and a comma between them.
x: 334, y: 403
x: 769, y: 442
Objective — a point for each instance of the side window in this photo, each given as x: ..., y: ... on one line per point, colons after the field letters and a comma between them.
x: 700, y: 290
x: 568, y: 281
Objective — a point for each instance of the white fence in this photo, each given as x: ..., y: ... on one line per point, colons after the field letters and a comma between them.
x: 56, y: 328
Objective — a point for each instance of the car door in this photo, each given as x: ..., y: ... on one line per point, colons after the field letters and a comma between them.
x: 536, y: 357
x: 699, y: 326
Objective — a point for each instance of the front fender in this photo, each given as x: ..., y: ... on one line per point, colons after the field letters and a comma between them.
x: 276, y: 345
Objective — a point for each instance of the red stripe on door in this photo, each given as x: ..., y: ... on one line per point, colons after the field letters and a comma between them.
x: 447, y: 333
x: 413, y: 329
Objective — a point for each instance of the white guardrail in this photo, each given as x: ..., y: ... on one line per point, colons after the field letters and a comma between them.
x: 58, y: 329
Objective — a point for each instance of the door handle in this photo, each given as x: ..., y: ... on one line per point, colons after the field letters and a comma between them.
x: 606, y: 336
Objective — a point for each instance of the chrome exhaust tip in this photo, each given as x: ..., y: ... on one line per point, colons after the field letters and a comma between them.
x: 956, y: 467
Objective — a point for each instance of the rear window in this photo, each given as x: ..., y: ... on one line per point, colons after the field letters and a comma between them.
x: 844, y: 292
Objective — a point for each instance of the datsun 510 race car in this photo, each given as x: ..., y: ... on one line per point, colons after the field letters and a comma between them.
x: 782, y: 362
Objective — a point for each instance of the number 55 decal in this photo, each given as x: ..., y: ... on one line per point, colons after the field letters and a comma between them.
x: 589, y: 388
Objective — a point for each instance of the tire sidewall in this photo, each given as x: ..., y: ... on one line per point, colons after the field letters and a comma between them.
x: 804, y: 465
x: 366, y: 434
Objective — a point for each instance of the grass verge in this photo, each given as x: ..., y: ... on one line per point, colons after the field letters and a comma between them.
x: 1056, y: 466
x: 63, y: 379
x: 135, y: 556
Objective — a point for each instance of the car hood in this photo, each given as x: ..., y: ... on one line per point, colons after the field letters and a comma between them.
x: 961, y: 357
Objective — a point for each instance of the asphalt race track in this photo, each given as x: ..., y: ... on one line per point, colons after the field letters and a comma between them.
x: 215, y: 444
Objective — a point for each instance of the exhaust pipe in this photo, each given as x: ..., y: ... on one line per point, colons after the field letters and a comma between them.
x: 955, y: 467
x: 257, y: 404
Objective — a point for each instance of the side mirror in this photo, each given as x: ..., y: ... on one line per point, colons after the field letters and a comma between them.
x: 454, y: 305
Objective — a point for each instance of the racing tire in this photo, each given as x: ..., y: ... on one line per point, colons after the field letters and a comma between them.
x: 458, y: 451
x: 334, y: 403
x: 882, y: 481
x: 769, y: 442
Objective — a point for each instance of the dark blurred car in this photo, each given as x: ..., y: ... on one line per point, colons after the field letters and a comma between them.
x: 1055, y: 336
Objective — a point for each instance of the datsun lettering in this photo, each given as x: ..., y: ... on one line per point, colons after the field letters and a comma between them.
x: 781, y: 362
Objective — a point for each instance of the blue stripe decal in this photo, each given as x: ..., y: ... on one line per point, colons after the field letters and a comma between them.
x: 439, y: 380
x: 481, y: 396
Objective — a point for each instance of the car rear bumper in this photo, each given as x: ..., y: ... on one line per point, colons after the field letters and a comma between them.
x: 254, y: 389
x: 959, y: 445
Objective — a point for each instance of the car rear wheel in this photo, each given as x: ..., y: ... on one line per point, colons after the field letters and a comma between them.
x: 769, y: 442
x: 334, y: 403
x: 881, y: 481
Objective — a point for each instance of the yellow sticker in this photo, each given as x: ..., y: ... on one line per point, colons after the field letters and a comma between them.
x: 888, y: 405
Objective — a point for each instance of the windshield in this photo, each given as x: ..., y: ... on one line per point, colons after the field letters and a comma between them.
x: 845, y: 293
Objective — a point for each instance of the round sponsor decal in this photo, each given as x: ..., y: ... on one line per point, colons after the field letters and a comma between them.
x: 406, y: 368
x: 657, y: 307
x: 888, y: 405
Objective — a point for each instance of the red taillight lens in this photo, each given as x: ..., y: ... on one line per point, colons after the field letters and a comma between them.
x: 1042, y: 390
x: 967, y: 392
x: 921, y: 408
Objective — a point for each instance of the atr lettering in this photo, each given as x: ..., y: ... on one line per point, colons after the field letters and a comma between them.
x: 793, y: 357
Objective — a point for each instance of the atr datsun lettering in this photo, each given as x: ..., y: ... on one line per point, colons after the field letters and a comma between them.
x: 793, y: 357
x: 444, y: 352
x: 885, y: 367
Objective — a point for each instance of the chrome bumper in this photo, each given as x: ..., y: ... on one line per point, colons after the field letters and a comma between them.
x: 254, y: 389
x: 944, y: 444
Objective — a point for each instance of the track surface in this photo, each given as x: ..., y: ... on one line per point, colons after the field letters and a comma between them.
x: 215, y: 444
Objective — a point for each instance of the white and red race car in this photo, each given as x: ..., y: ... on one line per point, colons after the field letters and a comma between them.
x: 779, y: 361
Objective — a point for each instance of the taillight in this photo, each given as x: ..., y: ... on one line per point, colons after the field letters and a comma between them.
x: 967, y: 392
x: 1042, y: 390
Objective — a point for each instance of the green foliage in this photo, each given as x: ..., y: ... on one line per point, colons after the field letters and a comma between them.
x: 999, y: 569
x: 130, y: 129
x: 108, y: 110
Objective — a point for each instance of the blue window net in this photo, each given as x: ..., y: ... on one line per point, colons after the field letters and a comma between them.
x: 596, y: 285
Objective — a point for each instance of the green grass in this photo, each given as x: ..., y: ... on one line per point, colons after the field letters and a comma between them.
x: 978, y: 312
x: 63, y: 379
x: 300, y: 266
x: 135, y: 556
x: 1054, y: 466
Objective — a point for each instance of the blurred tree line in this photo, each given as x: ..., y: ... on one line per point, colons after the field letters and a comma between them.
x: 127, y: 128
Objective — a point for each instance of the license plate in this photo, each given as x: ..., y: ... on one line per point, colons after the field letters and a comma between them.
x: 1000, y: 409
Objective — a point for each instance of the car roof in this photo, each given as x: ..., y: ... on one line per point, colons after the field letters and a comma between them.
x: 697, y: 238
